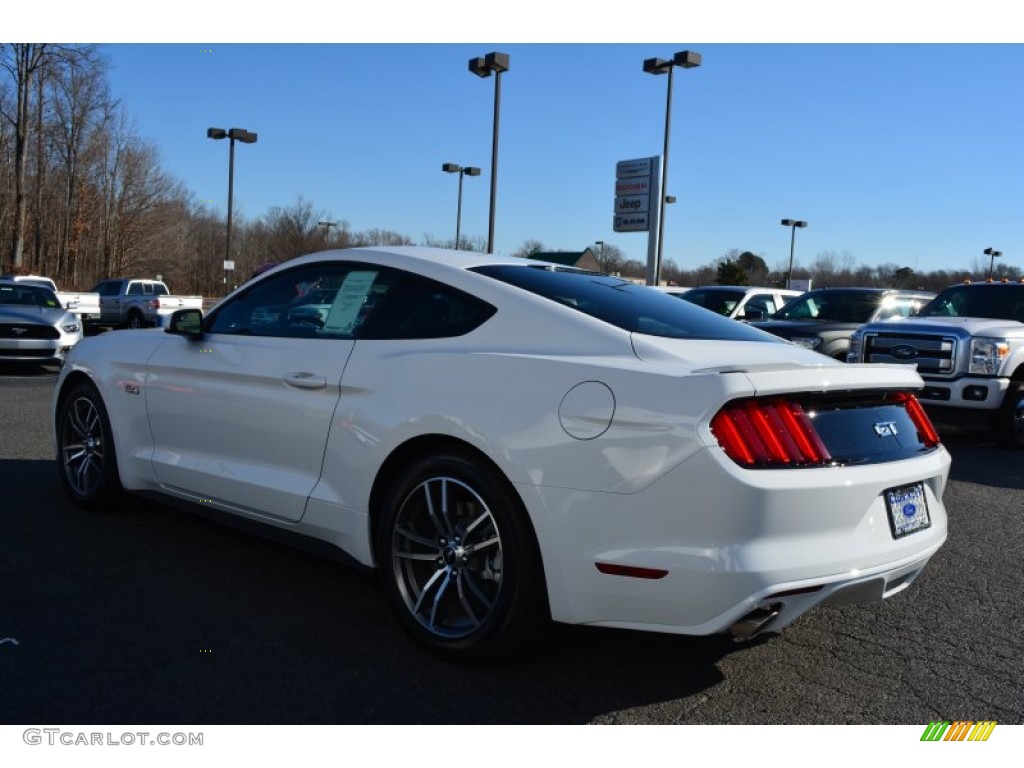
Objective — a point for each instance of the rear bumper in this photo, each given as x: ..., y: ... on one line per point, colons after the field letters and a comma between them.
x: 731, y: 541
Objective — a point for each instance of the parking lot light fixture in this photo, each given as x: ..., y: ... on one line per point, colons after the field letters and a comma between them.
x: 992, y: 253
x: 327, y: 227
x: 462, y: 171
x: 792, y: 224
x: 483, y: 66
x: 685, y: 60
x: 233, y: 134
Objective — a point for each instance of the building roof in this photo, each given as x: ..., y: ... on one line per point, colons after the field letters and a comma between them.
x: 584, y: 259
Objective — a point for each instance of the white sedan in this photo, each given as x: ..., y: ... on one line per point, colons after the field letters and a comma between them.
x: 509, y: 442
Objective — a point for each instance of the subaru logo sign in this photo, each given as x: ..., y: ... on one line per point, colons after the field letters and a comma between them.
x: 904, y: 352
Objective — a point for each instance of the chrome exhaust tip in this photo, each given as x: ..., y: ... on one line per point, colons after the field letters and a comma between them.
x: 754, y: 622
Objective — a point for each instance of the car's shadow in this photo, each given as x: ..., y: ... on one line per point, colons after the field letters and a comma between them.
x: 28, y: 370
x: 977, y: 459
x: 150, y: 615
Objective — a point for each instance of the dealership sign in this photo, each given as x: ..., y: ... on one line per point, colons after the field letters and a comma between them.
x: 634, y: 183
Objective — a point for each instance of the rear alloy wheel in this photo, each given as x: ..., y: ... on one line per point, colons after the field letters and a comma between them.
x: 460, y: 562
x: 1009, y: 420
x: 85, y: 449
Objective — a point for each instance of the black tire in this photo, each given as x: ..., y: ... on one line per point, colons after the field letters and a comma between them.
x: 85, y: 449
x: 1009, y: 419
x: 460, y: 562
x: 136, y: 320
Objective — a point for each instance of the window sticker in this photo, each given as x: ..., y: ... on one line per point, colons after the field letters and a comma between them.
x: 349, y: 302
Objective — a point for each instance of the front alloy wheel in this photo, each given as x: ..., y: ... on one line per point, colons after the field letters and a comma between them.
x: 460, y: 562
x: 85, y: 450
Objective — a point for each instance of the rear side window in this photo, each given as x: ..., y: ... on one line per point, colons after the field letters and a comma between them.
x: 834, y: 306
x: 108, y: 288
x: 722, y: 302
x: 633, y: 308
x: 997, y: 302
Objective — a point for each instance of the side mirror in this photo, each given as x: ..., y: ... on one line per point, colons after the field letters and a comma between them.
x: 753, y: 313
x: 187, y: 323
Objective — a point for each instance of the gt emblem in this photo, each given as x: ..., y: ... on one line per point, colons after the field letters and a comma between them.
x: 885, y: 429
x: 131, y: 389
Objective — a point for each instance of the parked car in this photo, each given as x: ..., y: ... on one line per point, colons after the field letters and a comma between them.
x: 85, y: 305
x: 968, y: 346
x: 34, y: 327
x: 740, y: 302
x: 824, y: 319
x: 509, y: 441
x: 139, y: 303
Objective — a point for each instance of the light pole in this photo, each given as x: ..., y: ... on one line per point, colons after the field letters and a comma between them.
x: 601, y: 243
x: 327, y: 228
x: 992, y: 253
x: 462, y: 171
x: 792, y: 224
x: 686, y: 60
x: 483, y: 66
x: 235, y: 134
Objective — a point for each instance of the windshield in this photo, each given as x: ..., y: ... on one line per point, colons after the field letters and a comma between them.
x: 22, y: 294
x: 996, y: 302
x: 832, y: 306
x: 634, y: 308
x: 722, y: 302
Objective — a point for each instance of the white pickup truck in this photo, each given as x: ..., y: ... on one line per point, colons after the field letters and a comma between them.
x: 139, y: 303
x: 968, y: 346
x: 85, y: 305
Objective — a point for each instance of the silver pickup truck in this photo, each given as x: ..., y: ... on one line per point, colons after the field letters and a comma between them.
x: 139, y: 303
x: 968, y: 346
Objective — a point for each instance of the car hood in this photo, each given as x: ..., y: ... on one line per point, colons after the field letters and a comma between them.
x: 963, y: 327
x: 13, y: 313
x: 787, y: 329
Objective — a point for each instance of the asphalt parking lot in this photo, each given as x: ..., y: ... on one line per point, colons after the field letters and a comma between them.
x: 158, y: 616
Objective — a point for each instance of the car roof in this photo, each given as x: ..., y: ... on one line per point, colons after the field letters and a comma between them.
x: 898, y: 291
x: 747, y: 288
x: 436, y: 261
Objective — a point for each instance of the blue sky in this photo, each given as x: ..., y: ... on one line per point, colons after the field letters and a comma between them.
x: 898, y: 152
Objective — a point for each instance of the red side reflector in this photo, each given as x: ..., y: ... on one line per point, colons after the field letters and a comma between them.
x: 799, y: 591
x: 613, y: 569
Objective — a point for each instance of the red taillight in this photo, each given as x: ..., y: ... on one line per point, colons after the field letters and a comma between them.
x: 767, y: 433
x: 154, y: 303
x: 917, y: 415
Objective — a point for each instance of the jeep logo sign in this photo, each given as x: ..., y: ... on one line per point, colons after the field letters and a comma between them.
x: 631, y: 204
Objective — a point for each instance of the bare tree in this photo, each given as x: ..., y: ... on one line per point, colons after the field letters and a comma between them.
x: 529, y: 247
x: 23, y: 62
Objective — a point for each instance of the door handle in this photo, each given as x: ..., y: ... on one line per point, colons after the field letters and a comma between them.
x: 305, y: 380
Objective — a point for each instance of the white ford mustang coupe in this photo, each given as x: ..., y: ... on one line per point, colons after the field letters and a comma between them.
x: 509, y: 442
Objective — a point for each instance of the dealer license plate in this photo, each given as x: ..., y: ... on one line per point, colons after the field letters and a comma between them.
x: 908, y: 509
